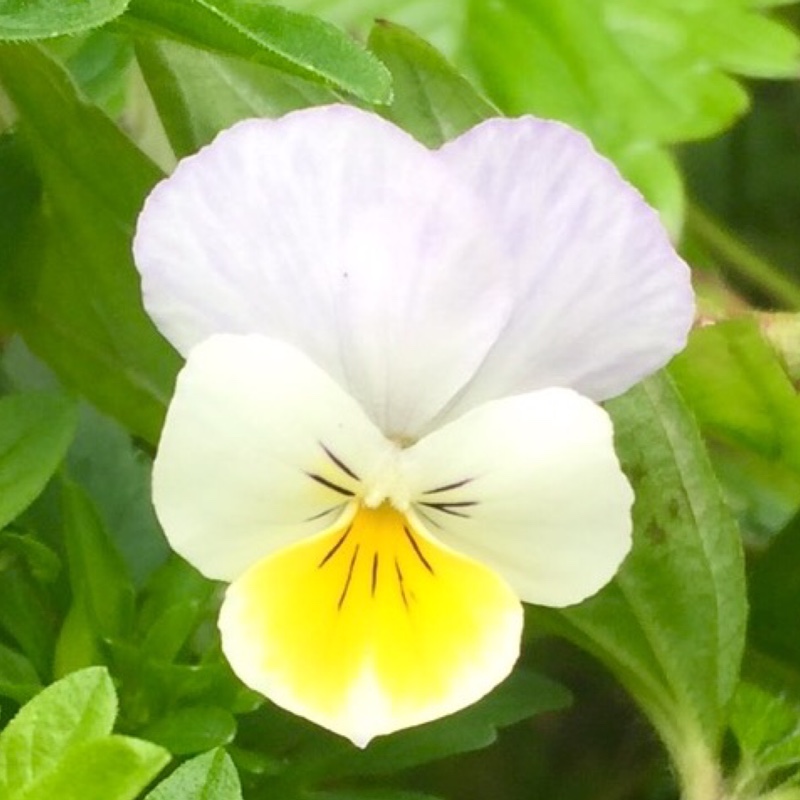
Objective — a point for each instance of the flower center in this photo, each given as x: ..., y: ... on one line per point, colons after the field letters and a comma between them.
x: 377, y: 551
x: 387, y: 483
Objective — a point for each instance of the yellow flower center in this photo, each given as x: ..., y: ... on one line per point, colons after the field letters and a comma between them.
x: 368, y: 623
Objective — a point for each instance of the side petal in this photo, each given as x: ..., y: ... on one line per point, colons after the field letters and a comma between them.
x: 369, y: 628
x: 335, y: 231
x: 259, y: 449
x: 602, y: 298
x: 531, y: 487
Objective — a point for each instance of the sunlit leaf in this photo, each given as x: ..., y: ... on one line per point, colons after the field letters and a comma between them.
x: 41, y: 19
x: 60, y: 745
x: 208, y: 777
x: 268, y: 34
x: 80, y: 708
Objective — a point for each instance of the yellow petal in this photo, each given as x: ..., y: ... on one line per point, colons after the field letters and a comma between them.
x: 371, y: 627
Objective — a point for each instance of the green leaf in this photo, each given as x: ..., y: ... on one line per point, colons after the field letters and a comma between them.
x: 26, y: 615
x: 35, y: 431
x: 112, y: 768
x: 211, y: 776
x: 101, y: 587
x: 431, y: 99
x: 77, y: 709
x: 198, y: 93
x: 767, y: 728
x: 42, y: 563
x: 192, y: 729
x: 622, y: 70
x: 72, y: 288
x: 370, y: 794
x: 20, y: 195
x: 632, y: 75
x: 41, y: 19
x: 775, y: 596
x: 439, y: 23
x: 739, y: 391
x: 116, y: 475
x: 18, y: 677
x: 671, y: 624
x: 271, y: 35
x: 172, y: 606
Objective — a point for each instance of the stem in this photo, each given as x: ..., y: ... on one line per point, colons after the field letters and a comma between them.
x: 700, y: 774
x: 740, y: 259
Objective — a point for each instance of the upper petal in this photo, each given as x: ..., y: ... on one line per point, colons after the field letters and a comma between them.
x: 335, y: 231
x: 602, y: 298
x: 260, y: 448
x: 531, y: 486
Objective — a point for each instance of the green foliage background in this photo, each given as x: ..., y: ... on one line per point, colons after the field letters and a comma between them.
x: 680, y: 679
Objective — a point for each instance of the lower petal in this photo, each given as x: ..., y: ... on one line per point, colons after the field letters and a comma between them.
x: 371, y: 627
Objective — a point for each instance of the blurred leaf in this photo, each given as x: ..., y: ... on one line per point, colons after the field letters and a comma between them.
x: 26, y: 616
x: 439, y: 23
x: 77, y: 709
x: 625, y: 71
x: 20, y: 193
x: 192, y: 729
x: 154, y: 688
x: 172, y: 606
x: 35, y: 431
x: 369, y: 794
x: 99, y: 63
x: 72, y: 289
x: 43, y: 564
x: 775, y: 597
x: 211, y: 776
x: 40, y: 19
x: 671, y: 624
x: 198, y: 93
x: 431, y: 99
x: 100, y: 585
x: 739, y: 391
x: 18, y: 677
x: 271, y: 35
x: 116, y: 475
x: 631, y: 75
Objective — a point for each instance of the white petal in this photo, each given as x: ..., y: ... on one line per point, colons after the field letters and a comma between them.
x: 602, y: 298
x: 257, y: 440
x: 530, y: 486
x: 333, y: 230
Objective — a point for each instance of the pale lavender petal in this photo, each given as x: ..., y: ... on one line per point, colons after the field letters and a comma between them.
x: 602, y: 298
x: 332, y: 230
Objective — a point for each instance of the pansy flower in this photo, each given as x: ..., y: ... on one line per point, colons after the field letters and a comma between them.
x: 386, y: 434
